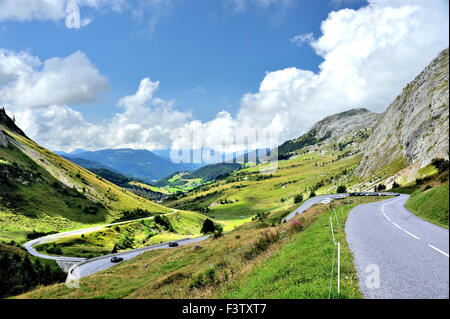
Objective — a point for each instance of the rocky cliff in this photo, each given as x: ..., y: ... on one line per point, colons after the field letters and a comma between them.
x: 349, y: 127
x: 3, y: 140
x: 415, y: 127
x: 343, y: 123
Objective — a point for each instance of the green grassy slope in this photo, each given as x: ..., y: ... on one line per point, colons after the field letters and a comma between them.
x: 223, y: 267
x: 432, y: 205
x: 42, y: 191
x: 247, y: 192
x: 127, y: 236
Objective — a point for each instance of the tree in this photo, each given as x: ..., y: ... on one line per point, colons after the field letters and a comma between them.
x: 341, y: 189
x: 395, y: 185
x: 208, y: 226
x: 298, y: 198
x: 440, y: 164
x: 380, y: 187
x: 312, y: 194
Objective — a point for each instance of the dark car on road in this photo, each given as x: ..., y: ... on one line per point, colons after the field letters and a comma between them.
x: 116, y: 259
x: 173, y: 244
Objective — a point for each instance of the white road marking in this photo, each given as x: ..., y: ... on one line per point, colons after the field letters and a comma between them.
x: 411, y: 234
x: 438, y: 250
x: 396, y: 225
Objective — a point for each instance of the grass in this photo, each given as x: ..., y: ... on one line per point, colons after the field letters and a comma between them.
x: 301, y: 269
x: 431, y: 205
x: 127, y: 236
x: 221, y: 267
x: 56, y: 193
x: 247, y: 192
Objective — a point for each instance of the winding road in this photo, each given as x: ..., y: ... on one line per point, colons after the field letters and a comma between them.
x: 397, y: 254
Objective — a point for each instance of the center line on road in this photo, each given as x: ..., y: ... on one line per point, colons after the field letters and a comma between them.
x: 438, y: 250
x: 411, y: 234
x: 396, y: 225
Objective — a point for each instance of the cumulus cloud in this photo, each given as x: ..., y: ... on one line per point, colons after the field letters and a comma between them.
x: 27, y: 82
x: 368, y: 54
x: 145, y: 122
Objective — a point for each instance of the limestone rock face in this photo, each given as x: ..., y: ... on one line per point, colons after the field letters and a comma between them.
x: 415, y: 127
x: 3, y: 140
x: 343, y: 123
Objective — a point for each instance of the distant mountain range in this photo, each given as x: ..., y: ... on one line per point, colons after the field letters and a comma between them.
x: 138, y: 164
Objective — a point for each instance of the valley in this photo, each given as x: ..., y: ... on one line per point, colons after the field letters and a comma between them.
x: 117, y: 209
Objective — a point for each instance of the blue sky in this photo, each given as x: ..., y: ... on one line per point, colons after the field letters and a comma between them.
x: 211, y: 65
x: 205, y: 54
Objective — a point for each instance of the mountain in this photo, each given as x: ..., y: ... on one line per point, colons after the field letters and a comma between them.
x: 348, y: 127
x: 414, y: 129
x: 138, y: 164
x: 87, y: 163
x: 42, y: 192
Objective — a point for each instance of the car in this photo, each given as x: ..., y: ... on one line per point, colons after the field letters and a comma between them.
x: 173, y: 244
x: 116, y: 259
x: 341, y: 196
x: 325, y: 201
x: 396, y: 194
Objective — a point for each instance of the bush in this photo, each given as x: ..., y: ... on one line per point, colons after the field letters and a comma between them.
x: 164, y: 222
x: 312, y: 194
x: 218, y: 232
x: 380, y: 187
x: 341, y: 189
x: 395, y: 185
x: 262, y: 244
x: 208, y: 226
x: 298, y: 198
x: 419, y: 181
x: 441, y: 164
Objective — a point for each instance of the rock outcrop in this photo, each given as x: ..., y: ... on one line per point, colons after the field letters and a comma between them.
x: 343, y: 123
x: 3, y: 140
x: 9, y: 123
x: 415, y: 127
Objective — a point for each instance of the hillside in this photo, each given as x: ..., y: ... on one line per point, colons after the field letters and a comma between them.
x: 343, y: 128
x: 137, y: 164
x: 41, y: 191
x: 414, y: 129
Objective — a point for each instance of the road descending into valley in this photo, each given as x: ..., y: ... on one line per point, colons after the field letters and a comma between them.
x: 396, y: 253
x: 409, y: 254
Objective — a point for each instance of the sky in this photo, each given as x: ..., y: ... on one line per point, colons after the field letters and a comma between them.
x: 150, y: 74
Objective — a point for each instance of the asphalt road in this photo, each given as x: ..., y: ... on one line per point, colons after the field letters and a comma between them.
x: 409, y: 254
x: 308, y: 203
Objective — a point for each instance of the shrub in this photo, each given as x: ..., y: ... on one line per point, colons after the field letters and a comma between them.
x: 164, y: 222
x: 441, y: 164
x: 341, y: 189
x: 218, y: 232
x: 419, y: 181
x: 208, y: 226
x: 298, y: 198
x: 312, y: 194
x: 262, y: 244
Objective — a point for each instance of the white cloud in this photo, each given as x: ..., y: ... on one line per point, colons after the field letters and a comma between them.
x: 52, y: 10
x: 151, y: 12
x: 146, y: 122
x: 197, y: 90
x: 369, y: 55
x: 26, y: 82
x: 303, y: 38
